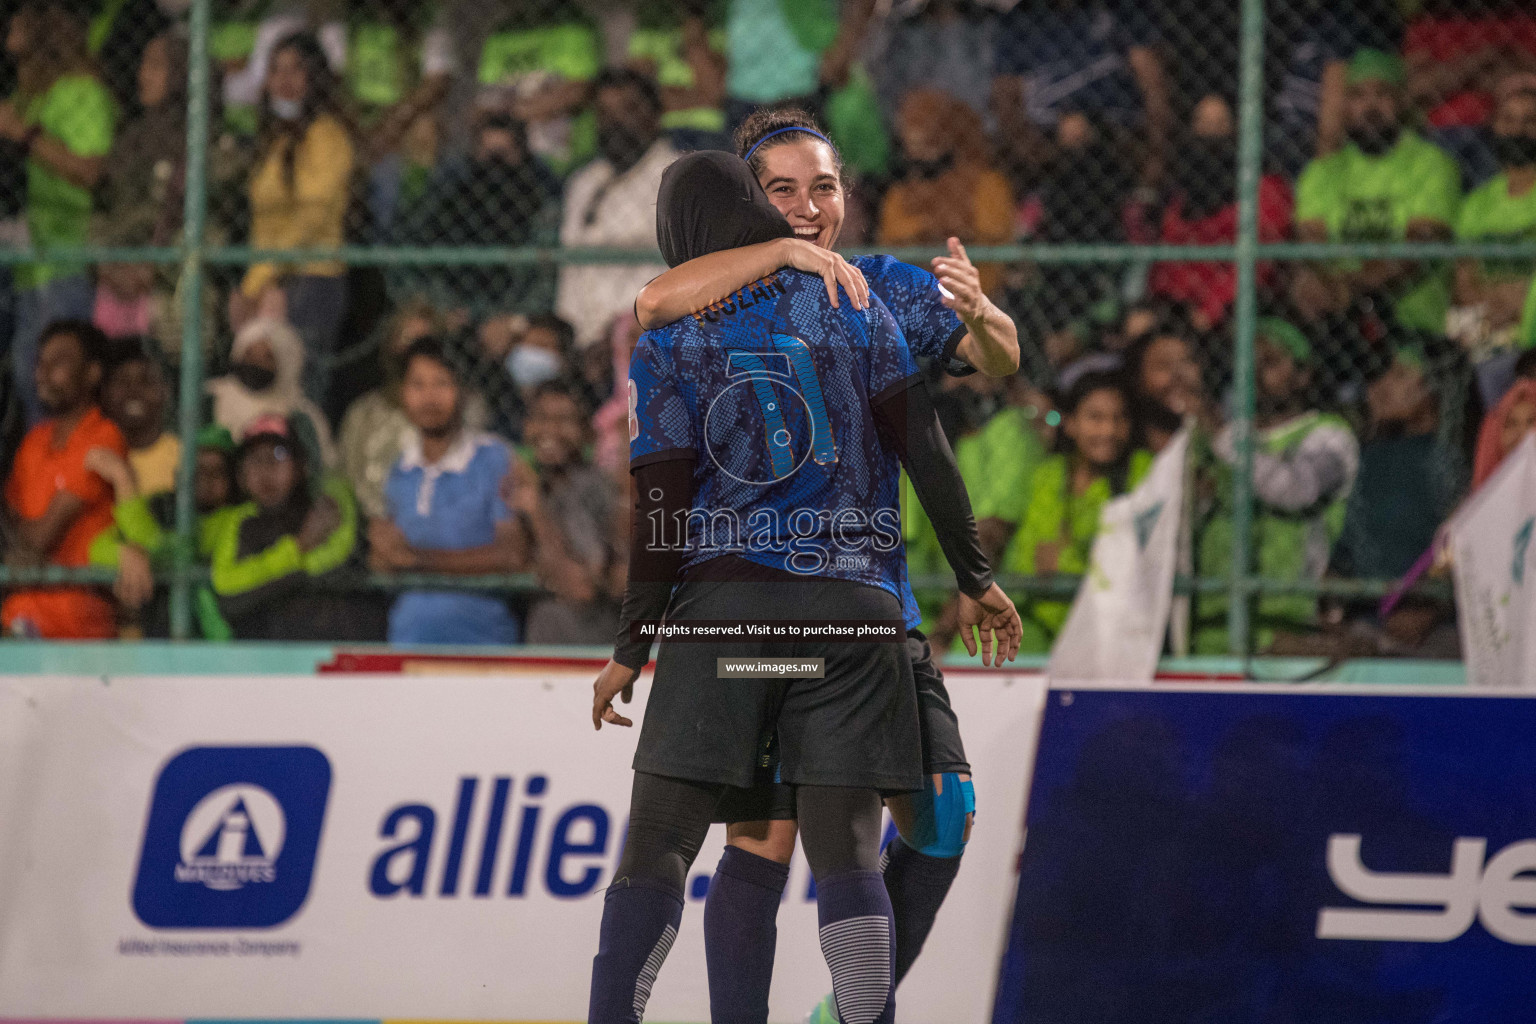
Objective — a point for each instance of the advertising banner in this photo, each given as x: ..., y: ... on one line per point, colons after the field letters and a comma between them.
x: 372, y: 847
x: 1244, y: 856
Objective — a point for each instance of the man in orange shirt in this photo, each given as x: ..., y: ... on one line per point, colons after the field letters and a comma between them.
x: 55, y: 502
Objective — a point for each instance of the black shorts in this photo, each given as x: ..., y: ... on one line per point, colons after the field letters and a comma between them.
x: 769, y: 798
x: 857, y: 726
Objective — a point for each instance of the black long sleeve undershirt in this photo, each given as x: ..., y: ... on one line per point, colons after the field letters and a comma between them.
x: 907, y: 423
x: 663, y: 495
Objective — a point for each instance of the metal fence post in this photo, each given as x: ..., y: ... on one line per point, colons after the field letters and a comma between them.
x: 195, y: 206
x: 1250, y: 156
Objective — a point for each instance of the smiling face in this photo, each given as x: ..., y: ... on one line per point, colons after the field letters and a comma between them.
x: 1170, y: 375
x: 1100, y: 427
x: 801, y: 180
x: 555, y: 429
x: 133, y: 396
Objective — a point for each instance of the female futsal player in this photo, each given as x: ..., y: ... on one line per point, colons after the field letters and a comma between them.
x: 946, y: 316
x: 846, y: 736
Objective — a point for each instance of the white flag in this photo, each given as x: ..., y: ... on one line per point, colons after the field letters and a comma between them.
x: 1492, y: 565
x: 1120, y: 615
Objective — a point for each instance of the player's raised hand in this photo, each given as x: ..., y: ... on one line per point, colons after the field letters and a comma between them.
x: 996, y: 620
x: 961, y: 283
x: 614, y: 680
x: 830, y: 267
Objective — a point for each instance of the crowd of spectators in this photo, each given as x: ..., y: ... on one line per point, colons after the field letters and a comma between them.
x: 476, y: 402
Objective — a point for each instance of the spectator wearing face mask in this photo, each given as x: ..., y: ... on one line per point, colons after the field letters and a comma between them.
x: 1202, y: 210
x: 500, y: 195
x: 945, y: 187
x: 1503, y: 210
x: 134, y: 396
x: 296, y: 529
x: 1387, y: 184
x: 542, y: 354
x: 299, y: 193
x: 612, y: 202
x: 242, y: 43
x: 1304, y: 467
x: 142, y: 539
x: 1093, y: 463
x: 265, y: 370
x: 570, y: 519
x: 57, y: 499
x: 444, y: 512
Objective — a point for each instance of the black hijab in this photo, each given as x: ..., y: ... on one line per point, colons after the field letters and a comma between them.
x: 710, y: 201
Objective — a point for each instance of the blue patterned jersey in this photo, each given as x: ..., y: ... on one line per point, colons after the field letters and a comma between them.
x: 911, y: 293
x: 770, y: 392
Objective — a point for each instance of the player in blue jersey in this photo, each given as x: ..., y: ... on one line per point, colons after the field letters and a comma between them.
x: 946, y: 318
x: 765, y: 437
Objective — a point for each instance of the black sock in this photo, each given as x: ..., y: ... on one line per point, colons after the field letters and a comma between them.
x: 917, y: 884
x: 640, y: 923
x: 741, y: 935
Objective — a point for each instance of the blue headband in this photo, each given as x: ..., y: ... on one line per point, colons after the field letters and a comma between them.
x: 781, y: 131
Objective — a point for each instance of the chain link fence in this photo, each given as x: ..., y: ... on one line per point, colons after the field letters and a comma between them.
x: 364, y: 173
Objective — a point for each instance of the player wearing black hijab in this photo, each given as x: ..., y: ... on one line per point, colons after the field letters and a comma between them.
x: 766, y: 436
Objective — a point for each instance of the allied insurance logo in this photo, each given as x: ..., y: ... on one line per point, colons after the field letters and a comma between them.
x: 232, y: 837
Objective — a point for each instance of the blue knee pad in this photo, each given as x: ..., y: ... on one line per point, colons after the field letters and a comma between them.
x: 938, y: 828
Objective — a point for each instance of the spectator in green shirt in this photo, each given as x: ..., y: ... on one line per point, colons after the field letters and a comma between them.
x: 1387, y: 184
x: 998, y: 451
x: 538, y: 66
x: 1304, y: 466
x: 1094, y: 463
x: 142, y: 537
x: 1503, y: 209
x: 675, y: 44
x: 62, y: 116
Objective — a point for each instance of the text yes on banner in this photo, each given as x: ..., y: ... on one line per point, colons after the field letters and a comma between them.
x: 1120, y: 614
x: 1491, y: 551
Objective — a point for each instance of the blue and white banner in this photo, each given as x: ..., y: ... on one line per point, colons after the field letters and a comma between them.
x: 390, y: 847
x: 1262, y: 856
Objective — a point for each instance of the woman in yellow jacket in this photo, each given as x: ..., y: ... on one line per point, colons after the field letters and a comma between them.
x: 300, y: 190
x: 1094, y: 463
